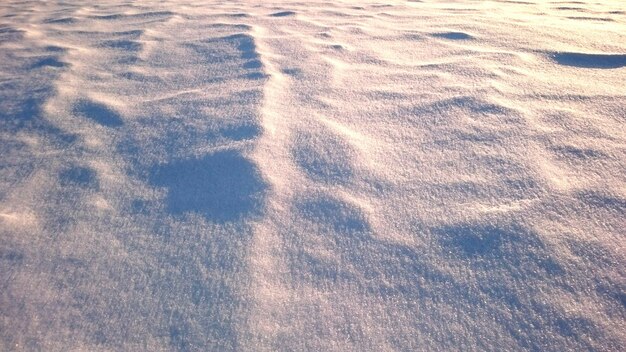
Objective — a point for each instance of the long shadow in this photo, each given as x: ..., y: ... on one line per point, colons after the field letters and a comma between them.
x: 582, y: 60
x: 486, y: 244
x: 283, y: 14
x: 453, y: 35
x: 221, y: 187
x: 83, y: 177
x: 98, y: 113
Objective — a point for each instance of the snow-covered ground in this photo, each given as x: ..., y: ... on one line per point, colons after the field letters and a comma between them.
x: 313, y: 176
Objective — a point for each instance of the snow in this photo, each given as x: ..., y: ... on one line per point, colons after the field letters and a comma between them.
x: 312, y: 176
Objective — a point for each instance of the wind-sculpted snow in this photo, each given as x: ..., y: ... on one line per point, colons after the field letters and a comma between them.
x: 312, y: 176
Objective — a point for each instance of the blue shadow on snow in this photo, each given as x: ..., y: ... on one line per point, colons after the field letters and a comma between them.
x: 222, y: 187
x: 582, y: 60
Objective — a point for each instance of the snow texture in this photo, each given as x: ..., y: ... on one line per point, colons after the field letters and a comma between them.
x: 312, y: 176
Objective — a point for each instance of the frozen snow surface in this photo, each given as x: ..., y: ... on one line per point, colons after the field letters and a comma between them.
x: 313, y: 176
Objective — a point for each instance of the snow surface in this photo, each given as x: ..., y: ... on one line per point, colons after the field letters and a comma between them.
x: 312, y: 176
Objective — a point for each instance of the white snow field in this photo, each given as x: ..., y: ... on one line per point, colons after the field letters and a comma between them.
x: 313, y: 176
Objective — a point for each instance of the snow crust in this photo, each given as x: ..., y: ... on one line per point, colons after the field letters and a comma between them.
x: 312, y: 176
